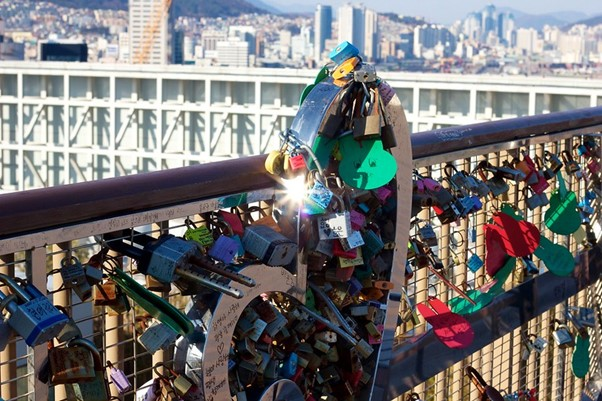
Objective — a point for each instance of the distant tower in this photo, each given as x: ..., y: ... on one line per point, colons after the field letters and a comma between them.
x: 322, y: 29
x: 371, y: 35
x: 146, y: 16
x: 352, y: 25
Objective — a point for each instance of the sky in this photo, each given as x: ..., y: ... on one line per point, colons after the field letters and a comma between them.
x: 447, y: 11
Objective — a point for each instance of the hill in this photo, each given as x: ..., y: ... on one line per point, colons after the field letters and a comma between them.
x: 189, y: 8
x: 594, y: 21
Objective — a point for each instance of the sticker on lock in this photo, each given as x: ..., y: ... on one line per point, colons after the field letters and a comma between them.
x: 334, y: 226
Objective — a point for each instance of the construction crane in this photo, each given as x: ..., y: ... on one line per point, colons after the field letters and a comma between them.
x: 143, y: 55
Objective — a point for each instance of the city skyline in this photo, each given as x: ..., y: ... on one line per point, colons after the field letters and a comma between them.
x: 446, y: 12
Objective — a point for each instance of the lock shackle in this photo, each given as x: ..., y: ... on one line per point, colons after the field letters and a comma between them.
x: 8, y: 302
x: 67, y: 259
x: 413, y: 397
x: 15, y: 287
x: 190, y: 224
x: 172, y: 373
x: 449, y: 170
x: 89, y: 345
x: 566, y: 156
x: 476, y: 379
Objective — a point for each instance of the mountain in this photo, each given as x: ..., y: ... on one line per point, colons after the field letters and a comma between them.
x: 265, y: 6
x: 189, y: 8
x: 593, y: 21
x: 559, y: 18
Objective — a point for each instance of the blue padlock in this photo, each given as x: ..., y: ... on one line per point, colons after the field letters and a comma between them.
x: 343, y: 52
x: 32, y: 315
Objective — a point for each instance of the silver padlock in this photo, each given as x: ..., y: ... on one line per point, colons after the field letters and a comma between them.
x: 149, y: 391
x: 157, y: 336
x: 271, y: 247
x: 366, y: 73
x: 562, y: 335
x: 586, y: 316
x: 74, y: 277
x: 31, y: 314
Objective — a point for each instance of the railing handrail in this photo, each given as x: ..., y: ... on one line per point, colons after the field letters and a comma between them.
x: 65, y: 205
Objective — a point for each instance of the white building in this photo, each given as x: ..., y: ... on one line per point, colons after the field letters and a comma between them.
x: 322, y: 30
x: 121, y: 119
x: 371, y: 38
x: 526, y: 40
x: 148, y: 30
x: 352, y: 25
x: 233, y: 53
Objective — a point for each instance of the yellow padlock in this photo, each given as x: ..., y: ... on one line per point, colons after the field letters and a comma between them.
x: 346, y: 67
x: 274, y: 163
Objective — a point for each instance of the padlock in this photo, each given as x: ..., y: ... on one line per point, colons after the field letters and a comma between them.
x: 119, y: 379
x: 74, y: 277
x: 69, y: 364
x: 180, y: 383
x: 570, y: 165
x: 554, y: 163
x: 367, y: 124
x: 542, y: 180
x: 106, y: 293
x: 318, y: 198
x: 296, y: 164
x: 562, y: 335
x: 271, y: 247
x: 528, y: 167
x: 532, y: 199
x: 342, y: 52
x: 32, y: 315
x: 506, y: 171
x: 581, y: 329
x: 427, y: 235
x: 71, y: 330
x: 93, y: 274
x: 202, y: 235
x: 474, y: 262
x: 334, y: 225
x: 529, y: 265
x: 274, y: 162
x: 586, y: 316
x: 157, y: 336
x: 225, y: 249
x: 366, y: 73
x: 149, y: 391
x: 98, y: 388
x: 345, y: 68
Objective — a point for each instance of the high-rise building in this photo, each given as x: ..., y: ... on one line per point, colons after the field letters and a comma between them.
x: 359, y: 26
x: 352, y: 25
x: 149, y: 31
x: 322, y: 29
x: 371, y: 35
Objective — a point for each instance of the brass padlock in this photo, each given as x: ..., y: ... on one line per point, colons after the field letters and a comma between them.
x: 562, y: 335
x: 96, y: 389
x: 70, y: 364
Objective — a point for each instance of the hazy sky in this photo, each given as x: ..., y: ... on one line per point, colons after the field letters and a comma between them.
x: 446, y: 11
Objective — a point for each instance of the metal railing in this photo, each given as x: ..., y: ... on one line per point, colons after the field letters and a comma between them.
x: 38, y: 228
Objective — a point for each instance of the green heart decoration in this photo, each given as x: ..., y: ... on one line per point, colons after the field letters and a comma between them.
x: 557, y: 258
x: 365, y: 164
x: 580, y: 361
x: 562, y: 217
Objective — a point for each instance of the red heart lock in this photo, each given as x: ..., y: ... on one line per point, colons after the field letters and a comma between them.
x: 519, y: 238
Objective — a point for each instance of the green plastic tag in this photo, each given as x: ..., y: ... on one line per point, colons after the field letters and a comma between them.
x: 562, y: 217
x: 365, y: 164
x: 156, y: 306
x: 461, y: 306
x: 580, y: 362
x: 557, y: 258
